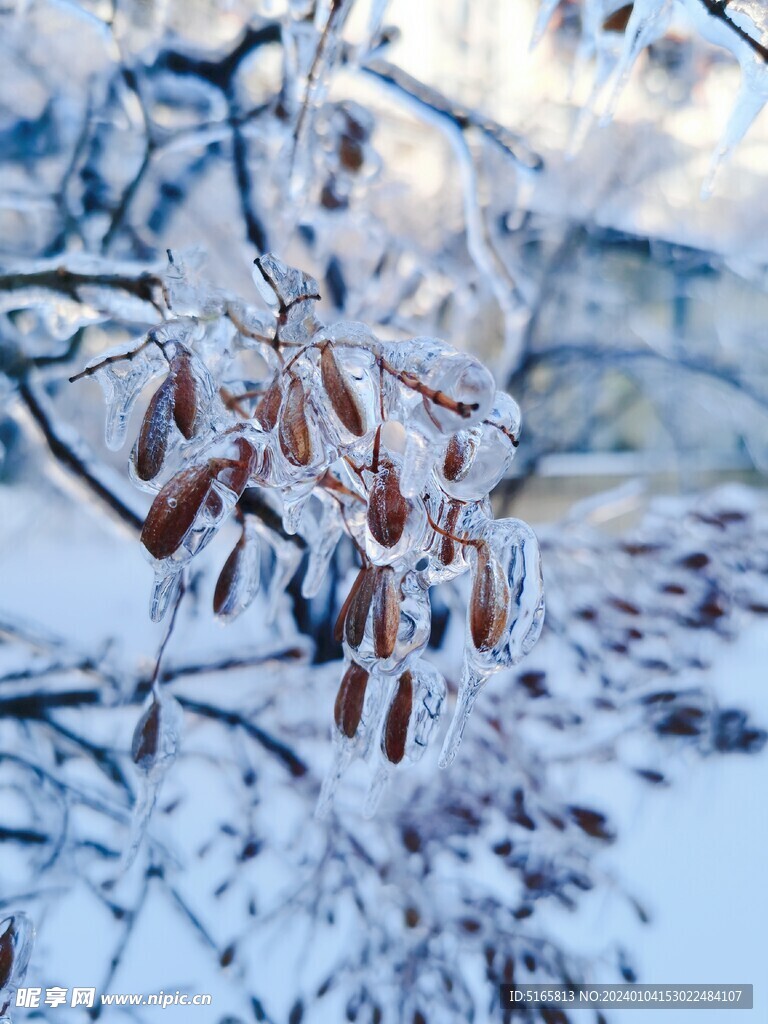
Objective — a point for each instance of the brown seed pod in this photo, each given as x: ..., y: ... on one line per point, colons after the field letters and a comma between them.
x: 387, y: 508
x: 341, y: 392
x: 268, y: 409
x: 338, y: 630
x: 146, y: 737
x: 225, y: 596
x: 152, y: 443
x: 398, y: 717
x: 619, y: 20
x: 174, y: 510
x: 489, y: 601
x: 459, y: 456
x: 359, y: 607
x: 184, y: 394
x: 293, y: 428
x: 447, y: 549
x: 386, y: 613
x: 348, y: 709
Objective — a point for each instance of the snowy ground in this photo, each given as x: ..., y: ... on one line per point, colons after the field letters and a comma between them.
x: 691, y: 854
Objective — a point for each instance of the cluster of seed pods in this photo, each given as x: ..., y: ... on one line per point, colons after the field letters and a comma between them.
x: 394, y: 444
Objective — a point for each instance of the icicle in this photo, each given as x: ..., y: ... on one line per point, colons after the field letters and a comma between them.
x: 343, y: 756
x: 376, y: 789
x: 751, y: 98
x: 165, y: 589
x: 472, y: 682
x: 546, y: 9
x: 649, y: 20
x: 325, y: 535
x: 418, y: 461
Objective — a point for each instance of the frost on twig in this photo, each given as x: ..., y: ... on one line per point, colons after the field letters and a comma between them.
x: 394, y: 444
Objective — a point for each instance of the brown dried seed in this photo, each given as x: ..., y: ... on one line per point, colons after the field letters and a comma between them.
x: 489, y: 602
x: 447, y: 549
x: 619, y: 20
x: 348, y: 709
x: 459, y: 456
x: 351, y: 154
x: 386, y: 613
x: 338, y: 630
x: 146, y: 737
x: 341, y: 392
x: 293, y: 429
x: 152, y: 443
x: 268, y: 409
x: 398, y: 717
x: 185, y: 394
x: 359, y: 607
x: 387, y: 508
x: 225, y: 594
x: 174, y: 510
x: 6, y: 954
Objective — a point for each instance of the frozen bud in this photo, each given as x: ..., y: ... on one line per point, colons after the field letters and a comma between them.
x: 398, y: 719
x: 174, y: 510
x: 146, y: 737
x: 185, y: 393
x: 489, y: 603
x: 495, y: 441
x: 359, y: 607
x: 350, y: 699
x: 338, y: 631
x: 387, y: 508
x: 16, y: 937
x: 459, y: 455
x: 293, y: 429
x: 268, y: 409
x: 156, y: 736
x: 238, y: 582
x: 386, y: 613
x: 341, y: 392
x: 152, y: 442
x: 447, y: 544
x: 351, y: 154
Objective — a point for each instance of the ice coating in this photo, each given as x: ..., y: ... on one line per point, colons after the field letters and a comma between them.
x: 393, y: 444
x: 409, y: 721
x: 513, y: 547
x: 153, y: 751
